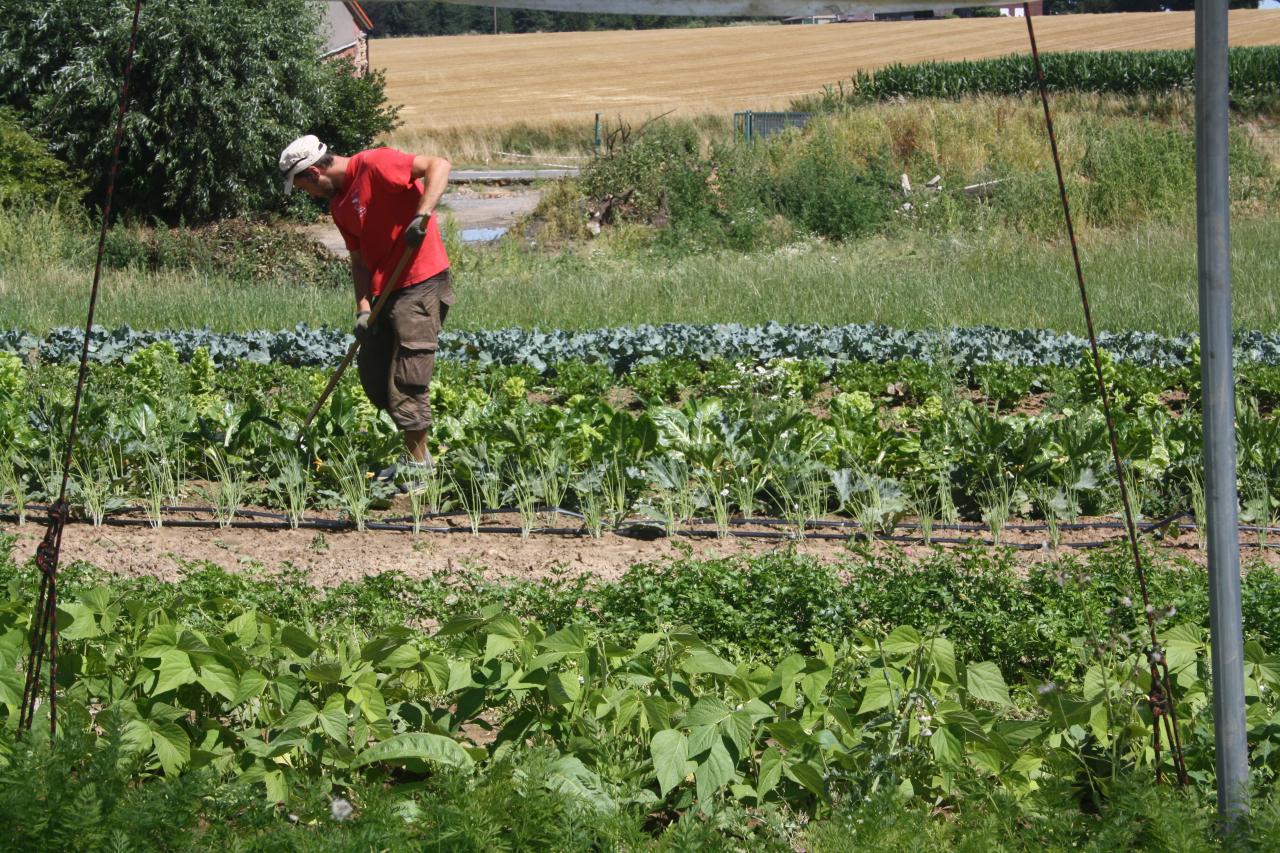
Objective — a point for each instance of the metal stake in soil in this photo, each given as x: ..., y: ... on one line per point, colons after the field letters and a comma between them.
x: 1213, y: 207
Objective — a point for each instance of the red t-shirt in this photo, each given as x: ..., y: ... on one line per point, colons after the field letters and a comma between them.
x: 374, y: 207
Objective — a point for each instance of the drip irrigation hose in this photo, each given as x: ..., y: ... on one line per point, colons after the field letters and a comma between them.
x: 1161, y: 700
x: 44, y: 629
x: 272, y: 521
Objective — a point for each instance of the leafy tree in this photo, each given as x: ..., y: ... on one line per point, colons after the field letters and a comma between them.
x: 28, y: 172
x: 219, y: 87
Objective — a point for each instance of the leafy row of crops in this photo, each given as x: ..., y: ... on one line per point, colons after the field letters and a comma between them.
x: 624, y: 347
x: 634, y: 722
x: 668, y: 443
x: 1254, y: 76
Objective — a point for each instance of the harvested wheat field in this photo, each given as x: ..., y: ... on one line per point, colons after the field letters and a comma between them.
x: 470, y: 81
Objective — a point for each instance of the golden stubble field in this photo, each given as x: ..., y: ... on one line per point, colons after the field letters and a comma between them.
x: 475, y: 81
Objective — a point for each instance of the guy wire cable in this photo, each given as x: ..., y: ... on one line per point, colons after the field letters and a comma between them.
x: 1160, y: 700
x: 44, y: 627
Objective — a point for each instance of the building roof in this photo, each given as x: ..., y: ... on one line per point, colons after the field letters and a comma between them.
x: 362, y: 19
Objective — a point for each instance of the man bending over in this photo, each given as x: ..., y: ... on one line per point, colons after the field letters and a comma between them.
x: 383, y: 202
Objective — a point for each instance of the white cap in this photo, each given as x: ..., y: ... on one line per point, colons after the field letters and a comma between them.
x: 301, y: 153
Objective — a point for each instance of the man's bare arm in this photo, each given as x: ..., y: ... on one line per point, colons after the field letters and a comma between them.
x: 363, y: 280
x: 434, y: 172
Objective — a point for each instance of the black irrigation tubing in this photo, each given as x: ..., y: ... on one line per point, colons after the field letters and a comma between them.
x: 404, y: 522
x: 630, y: 531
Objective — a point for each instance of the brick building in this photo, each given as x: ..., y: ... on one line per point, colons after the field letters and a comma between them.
x: 347, y: 33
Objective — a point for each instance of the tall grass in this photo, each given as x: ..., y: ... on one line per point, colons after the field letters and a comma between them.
x: 1142, y: 279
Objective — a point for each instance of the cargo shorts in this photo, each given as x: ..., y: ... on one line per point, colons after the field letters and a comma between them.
x: 396, y: 362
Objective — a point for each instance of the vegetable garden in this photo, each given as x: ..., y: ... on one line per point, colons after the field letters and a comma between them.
x: 901, y: 615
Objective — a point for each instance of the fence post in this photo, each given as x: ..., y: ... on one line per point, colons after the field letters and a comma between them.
x: 597, y: 147
x: 751, y: 133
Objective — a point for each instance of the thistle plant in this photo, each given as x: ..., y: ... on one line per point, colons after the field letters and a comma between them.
x: 13, y: 482
x: 229, y: 485
x: 291, y: 486
x: 353, y: 482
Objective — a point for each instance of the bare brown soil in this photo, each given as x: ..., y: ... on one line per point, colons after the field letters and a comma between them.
x: 330, y: 558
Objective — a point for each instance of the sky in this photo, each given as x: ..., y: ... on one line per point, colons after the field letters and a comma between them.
x: 1269, y: 4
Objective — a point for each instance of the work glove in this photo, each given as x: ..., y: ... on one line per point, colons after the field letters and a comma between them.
x: 417, y: 230
x: 363, y: 330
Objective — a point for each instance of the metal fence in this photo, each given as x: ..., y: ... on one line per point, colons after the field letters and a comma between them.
x: 751, y: 126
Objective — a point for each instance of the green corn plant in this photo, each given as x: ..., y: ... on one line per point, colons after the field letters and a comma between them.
x: 523, y: 494
x: 13, y: 482
x: 353, y: 482
x: 95, y: 478
x: 589, y: 489
x: 552, y: 480
x: 291, y: 487
x: 159, y: 484
x: 716, y: 488
x: 1199, y: 510
x: 230, y: 483
x: 947, y: 511
x: 471, y: 498
x: 616, y: 501
x: 426, y: 493
x: 996, y: 501
x: 926, y: 505
x: 1051, y: 503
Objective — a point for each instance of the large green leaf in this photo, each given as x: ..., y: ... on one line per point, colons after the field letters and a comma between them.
x: 985, y: 682
x: 420, y: 746
x: 715, y: 771
x: 670, y: 758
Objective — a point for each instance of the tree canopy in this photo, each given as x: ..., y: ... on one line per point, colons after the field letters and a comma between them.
x: 218, y: 88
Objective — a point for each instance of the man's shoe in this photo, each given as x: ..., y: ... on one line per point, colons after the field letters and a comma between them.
x: 409, y: 476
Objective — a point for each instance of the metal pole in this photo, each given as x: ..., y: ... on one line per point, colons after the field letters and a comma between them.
x: 1218, y: 386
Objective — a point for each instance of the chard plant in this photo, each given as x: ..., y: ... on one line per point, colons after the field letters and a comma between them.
x: 291, y: 487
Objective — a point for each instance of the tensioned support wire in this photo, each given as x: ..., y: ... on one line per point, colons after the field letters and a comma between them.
x: 1163, y: 707
x: 44, y: 622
